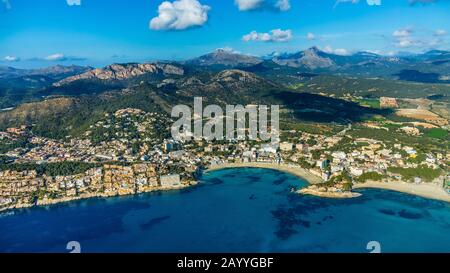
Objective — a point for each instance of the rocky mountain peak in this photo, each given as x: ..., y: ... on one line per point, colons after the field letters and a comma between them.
x: 124, y: 71
x: 224, y: 57
x: 311, y: 58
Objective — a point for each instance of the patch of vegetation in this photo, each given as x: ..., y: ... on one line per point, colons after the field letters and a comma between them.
x: 295, y: 85
x: 420, y: 157
x: 67, y: 168
x: 8, y: 145
x: 373, y: 176
x: 305, y: 164
x: 22, y: 167
x: 342, y: 178
x: 374, y: 103
x: 372, y: 88
x: 427, y: 174
x: 437, y: 133
x: 51, y: 169
x: 4, y: 159
x: 423, y: 144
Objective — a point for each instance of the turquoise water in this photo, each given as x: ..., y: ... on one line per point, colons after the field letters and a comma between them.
x: 233, y: 210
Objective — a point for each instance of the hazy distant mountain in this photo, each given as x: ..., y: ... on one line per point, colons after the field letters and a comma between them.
x: 433, y: 56
x: 224, y: 57
x: 314, y: 58
x: 431, y: 67
x: 57, y: 71
x: 21, y: 85
x: 311, y: 58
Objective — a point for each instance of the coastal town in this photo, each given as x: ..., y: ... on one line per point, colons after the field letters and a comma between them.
x: 123, y: 154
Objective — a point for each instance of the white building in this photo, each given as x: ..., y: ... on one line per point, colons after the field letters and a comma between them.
x: 356, y: 171
x: 339, y: 155
x: 268, y: 148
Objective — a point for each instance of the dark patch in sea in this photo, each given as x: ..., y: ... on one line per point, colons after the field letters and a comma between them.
x: 387, y: 211
x: 191, y: 189
x: 285, y: 233
x: 287, y: 220
x: 409, y: 215
x: 329, y: 217
x: 253, y: 178
x: 279, y: 181
x: 304, y: 223
x: 301, y: 206
x: 252, y: 197
x: 215, y: 181
x: 153, y: 222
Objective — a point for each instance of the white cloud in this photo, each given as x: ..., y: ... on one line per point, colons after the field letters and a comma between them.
x: 375, y: 51
x: 403, y: 38
x: 245, y: 5
x: 345, y: 1
x: 341, y: 51
x: 374, y: 2
x: 276, y: 35
x: 248, y: 4
x: 404, y: 43
x: 73, y: 2
x: 55, y: 57
x: 440, y: 32
x: 255, y: 36
x: 337, y: 51
x: 402, y: 33
x: 413, y: 2
x: 279, y: 35
x: 228, y: 49
x: 369, y: 2
x: 406, y: 38
x: 60, y: 57
x: 11, y: 59
x: 283, y: 5
x: 179, y: 15
x: 310, y: 36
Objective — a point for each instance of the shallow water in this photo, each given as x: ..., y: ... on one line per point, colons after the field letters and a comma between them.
x: 233, y: 210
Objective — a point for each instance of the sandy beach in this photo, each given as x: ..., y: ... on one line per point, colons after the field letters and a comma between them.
x: 297, y: 171
x: 427, y: 190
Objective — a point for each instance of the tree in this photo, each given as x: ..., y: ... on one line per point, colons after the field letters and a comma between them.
x: 347, y: 186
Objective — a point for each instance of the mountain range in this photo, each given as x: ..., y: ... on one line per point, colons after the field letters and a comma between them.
x: 311, y: 70
x: 308, y: 84
x: 312, y: 59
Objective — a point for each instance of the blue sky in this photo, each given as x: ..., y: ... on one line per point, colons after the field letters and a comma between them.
x: 99, y: 32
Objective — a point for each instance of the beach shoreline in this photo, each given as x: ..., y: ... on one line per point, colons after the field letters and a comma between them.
x: 426, y: 190
x: 294, y: 170
x: 85, y: 196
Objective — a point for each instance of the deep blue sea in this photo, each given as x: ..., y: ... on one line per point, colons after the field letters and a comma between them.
x: 233, y: 210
